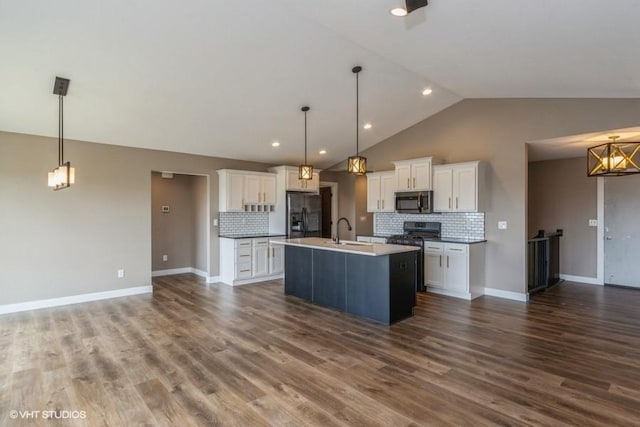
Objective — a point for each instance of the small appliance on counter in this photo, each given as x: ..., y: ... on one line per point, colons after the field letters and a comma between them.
x: 415, y: 234
x: 418, y: 202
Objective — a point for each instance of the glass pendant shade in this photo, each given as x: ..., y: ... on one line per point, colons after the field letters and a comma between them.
x: 305, y: 172
x: 62, y: 176
x: 613, y: 159
x: 357, y: 165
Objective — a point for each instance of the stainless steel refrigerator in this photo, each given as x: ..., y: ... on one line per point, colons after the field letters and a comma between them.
x: 304, y: 215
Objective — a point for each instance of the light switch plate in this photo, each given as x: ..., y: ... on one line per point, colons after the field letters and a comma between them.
x: 165, y: 209
x: 502, y: 225
x: 593, y: 223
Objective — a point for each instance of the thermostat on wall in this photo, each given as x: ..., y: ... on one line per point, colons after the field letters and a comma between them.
x: 165, y: 209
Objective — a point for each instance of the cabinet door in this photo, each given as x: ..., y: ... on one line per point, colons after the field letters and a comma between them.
x: 373, y: 193
x: 465, y: 188
x: 421, y: 176
x: 456, y: 271
x: 252, y: 194
x: 293, y: 183
x: 276, y: 260
x: 433, y: 271
x: 235, y: 192
x: 314, y: 183
x: 442, y: 200
x: 261, y: 259
x: 403, y: 178
x: 268, y: 184
x: 387, y: 193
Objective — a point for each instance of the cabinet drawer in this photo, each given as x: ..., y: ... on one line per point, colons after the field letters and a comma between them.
x: 260, y: 242
x: 243, y: 254
x: 243, y: 243
x: 433, y: 247
x: 243, y: 270
x: 452, y: 248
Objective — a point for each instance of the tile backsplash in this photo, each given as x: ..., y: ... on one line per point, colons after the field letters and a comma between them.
x: 243, y: 223
x: 458, y: 224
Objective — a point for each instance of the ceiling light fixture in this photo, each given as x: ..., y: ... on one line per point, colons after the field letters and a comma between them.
x: 64, y: 175
x: 367, y: 126
x: 410, y: 6
x: 323, y: 152
x: 427, y: 91
x: 613, y: 158
x: 305, y: 171
x: 275, y: 144
x: 357, y: 164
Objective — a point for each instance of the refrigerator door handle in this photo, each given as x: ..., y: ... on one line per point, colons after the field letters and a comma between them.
x: 304, y: 222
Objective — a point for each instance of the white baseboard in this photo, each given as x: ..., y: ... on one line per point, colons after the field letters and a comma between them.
x: 516, y: 296
x: 213, y: 279
x: 254, y: 280
x: 462, y: 295
x: 581, y: 279
x: 73, y: 299
x: 171, y: 271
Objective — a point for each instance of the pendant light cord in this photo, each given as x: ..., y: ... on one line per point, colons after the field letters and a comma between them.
x: 305, y: 137
x: 357, y: 114
x: 60, y: 130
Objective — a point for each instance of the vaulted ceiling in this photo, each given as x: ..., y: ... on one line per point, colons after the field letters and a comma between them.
x: 227, y: 78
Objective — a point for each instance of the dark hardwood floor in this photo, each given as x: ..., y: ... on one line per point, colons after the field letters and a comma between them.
x: 193, y: 354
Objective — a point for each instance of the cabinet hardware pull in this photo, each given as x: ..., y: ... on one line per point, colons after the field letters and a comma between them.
x: 264, y: 196
x: 244, y: 271
x: 447, y: 261
x: 378, y: 204
x: 454, y: 249
x: 414, y: 183
x: 383, y: 204
x: 449, y: 202
x: 456, y: 203
x: 242, y: 256
x: 408, y: 185
x: 433, y: 247
x: 440, y: 260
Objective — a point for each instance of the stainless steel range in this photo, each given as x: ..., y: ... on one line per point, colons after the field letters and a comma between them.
x: 415, y: 233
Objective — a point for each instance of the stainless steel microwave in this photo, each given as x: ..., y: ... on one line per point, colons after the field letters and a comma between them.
x: 418, y: 202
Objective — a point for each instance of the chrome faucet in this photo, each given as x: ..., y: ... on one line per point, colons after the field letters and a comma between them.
x: 338, y: 228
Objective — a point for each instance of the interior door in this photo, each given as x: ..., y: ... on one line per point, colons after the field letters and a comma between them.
x: 622, y: 230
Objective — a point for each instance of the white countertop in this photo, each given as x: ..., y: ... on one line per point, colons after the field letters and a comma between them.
x: 348, y: 246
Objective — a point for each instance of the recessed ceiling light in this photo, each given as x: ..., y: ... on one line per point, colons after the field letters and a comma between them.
x: 323, y: 151
x: 275, y: 144
x: 398, y: 11
x: 427, y: 91
x: 367, y: 126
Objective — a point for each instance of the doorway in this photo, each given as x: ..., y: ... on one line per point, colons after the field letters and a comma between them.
x: 622, y: 231
x: 329, y: 201
x: 180, y: 231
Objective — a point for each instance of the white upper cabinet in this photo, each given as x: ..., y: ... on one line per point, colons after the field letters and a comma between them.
x: 456, y: 187
x: 295, y: 184
x: 414, y: 174
x: 246, y: 191
x: 380, y: 191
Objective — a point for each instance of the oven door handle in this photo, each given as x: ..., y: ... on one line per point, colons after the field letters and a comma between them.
x: 420, y: 202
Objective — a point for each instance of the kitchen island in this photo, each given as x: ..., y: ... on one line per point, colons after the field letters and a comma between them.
x: 373, y: 281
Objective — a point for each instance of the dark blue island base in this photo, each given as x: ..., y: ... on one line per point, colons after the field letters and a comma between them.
x: 380, y: 288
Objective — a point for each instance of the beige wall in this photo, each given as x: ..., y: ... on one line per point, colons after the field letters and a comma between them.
x: 201, y: 221
x: 562, y: 196
x: 71, y: 242
x: 495, y: 131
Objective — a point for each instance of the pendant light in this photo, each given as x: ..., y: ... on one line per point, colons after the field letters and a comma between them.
x: 305, y: 171
x: 64, y: 175
x: 613, y: 158
x: 357, y: 164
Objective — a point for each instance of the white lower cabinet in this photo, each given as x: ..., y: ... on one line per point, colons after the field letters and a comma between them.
x: 454, y: 269
x: 250, y: 260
